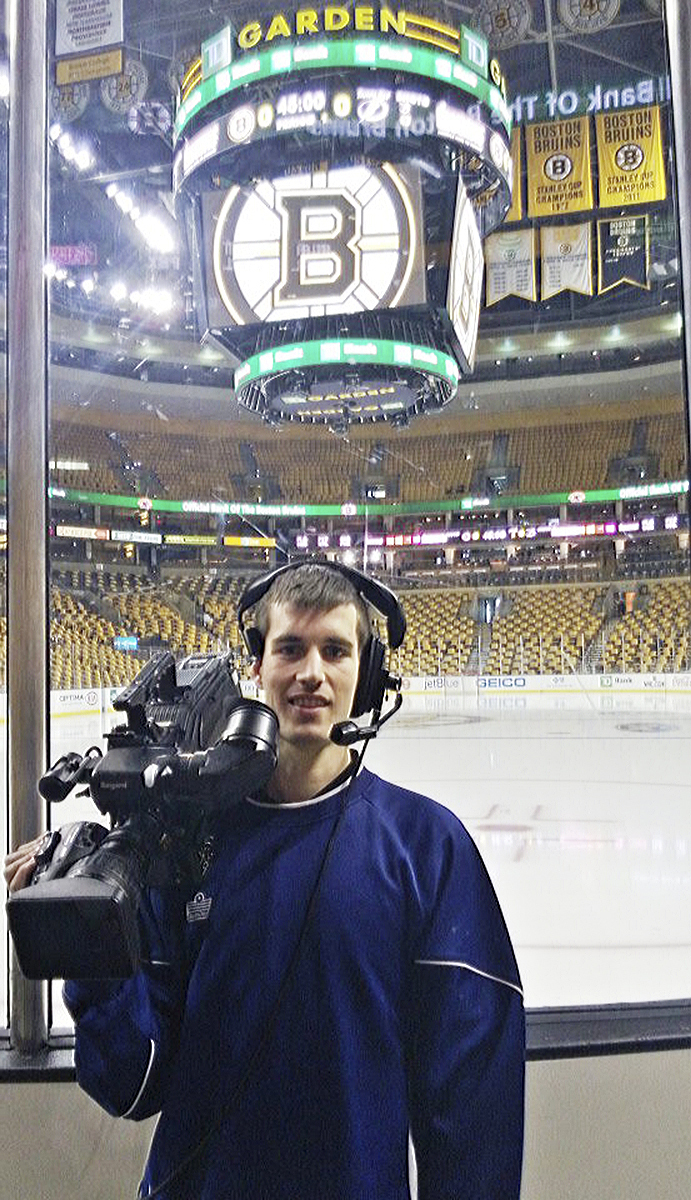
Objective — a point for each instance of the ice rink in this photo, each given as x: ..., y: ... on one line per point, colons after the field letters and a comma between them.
x: 581, y: 808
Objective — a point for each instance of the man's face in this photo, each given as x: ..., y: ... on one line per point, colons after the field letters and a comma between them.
x: 309, y: 669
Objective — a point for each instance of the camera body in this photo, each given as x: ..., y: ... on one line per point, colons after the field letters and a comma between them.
x: 191, y: 745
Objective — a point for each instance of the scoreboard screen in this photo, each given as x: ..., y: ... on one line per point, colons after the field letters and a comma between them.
x: 315, y: 243
x: 466, y: 269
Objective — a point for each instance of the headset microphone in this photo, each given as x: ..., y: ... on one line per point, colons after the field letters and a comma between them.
x: 346, y: 733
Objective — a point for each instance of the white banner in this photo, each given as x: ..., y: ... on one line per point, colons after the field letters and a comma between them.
x: 510, y: 265
x: 81, y: 531
x: 131, y: 535
x: 680, y: 682
x: 84, y: 25
x: 565, y: 255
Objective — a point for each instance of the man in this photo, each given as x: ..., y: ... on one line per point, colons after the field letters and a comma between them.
x: 349, y: 981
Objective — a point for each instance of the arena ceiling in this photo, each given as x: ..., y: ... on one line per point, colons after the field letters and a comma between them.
x: 82, y: 395
x: 113, y: 354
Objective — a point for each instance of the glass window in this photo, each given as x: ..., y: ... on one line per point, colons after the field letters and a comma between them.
x: 4, y: 115
x: 270, y: 241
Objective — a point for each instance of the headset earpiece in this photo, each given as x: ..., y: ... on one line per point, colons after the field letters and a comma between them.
x: 254, y: 641
x: 369, y: 692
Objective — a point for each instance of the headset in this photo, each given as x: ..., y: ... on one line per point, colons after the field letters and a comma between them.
x: 373, y: 677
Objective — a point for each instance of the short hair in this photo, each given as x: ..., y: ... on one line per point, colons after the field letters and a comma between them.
x: 313, y: 586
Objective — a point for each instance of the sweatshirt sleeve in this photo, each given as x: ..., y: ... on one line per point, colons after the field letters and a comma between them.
x: 126, y: 1032
x: 467, y: 1036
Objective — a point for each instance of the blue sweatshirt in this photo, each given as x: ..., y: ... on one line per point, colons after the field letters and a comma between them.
x: 291, y: 1066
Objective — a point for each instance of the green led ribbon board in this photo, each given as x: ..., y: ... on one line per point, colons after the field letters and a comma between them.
x: 311, y: 378
x: 355, y: 53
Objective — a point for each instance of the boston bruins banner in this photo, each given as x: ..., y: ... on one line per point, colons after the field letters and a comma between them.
x: 623, y: 252
x: 515, y: 213
x: 629, y: 157
x: 565, y: 255
x: 558, y: 157
x: 510, y: 265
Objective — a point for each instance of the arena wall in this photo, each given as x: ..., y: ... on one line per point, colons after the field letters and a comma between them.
x: 614, y: 1127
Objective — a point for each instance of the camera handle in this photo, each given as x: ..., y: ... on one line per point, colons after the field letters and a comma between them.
x: 62, y: 848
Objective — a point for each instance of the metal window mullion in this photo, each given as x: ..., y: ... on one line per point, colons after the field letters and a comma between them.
x: 27, y: 475
x: 678, y: 24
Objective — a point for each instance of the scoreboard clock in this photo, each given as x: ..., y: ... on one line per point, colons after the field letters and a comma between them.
x: 336, y: 173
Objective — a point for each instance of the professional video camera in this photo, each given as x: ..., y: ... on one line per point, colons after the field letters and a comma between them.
x: 191, y: 746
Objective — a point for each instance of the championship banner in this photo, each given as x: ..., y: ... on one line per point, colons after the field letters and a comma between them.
x: 558, y: 156
x: 630, y: 161
x: 623, y: 252
x: 515, y: 213
x: 565, y: 254
x: 510, y: 266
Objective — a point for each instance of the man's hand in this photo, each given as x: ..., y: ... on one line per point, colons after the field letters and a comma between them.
x: 19, y: 865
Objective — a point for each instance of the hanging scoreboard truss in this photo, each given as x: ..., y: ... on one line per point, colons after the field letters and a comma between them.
x: 335, y: 191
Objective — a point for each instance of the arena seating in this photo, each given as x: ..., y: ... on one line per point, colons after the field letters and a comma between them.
x: 188, y: 463
x: 147, y: 615
x: 88, y: 444
x: 655, y: 636
x: 547, y: 631
x: 82, y: 653
x: 446, y: 457
x: 537, y: 629
x: 215, y: 599
x: 652, y: 559
x: 666, y: 438
x: 440, y: 636
x: 560, y: 457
